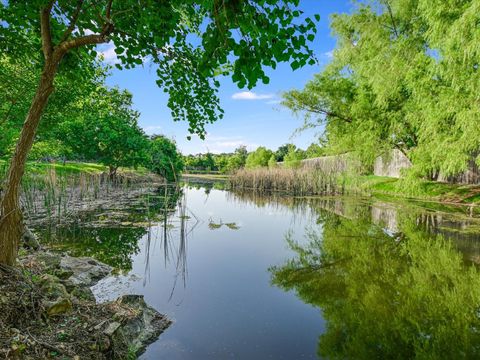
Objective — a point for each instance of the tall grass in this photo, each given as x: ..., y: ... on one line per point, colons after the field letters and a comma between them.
x: 58, y: 192
x: 298, y: 182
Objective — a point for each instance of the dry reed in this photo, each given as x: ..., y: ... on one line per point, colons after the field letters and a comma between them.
x: 298, y: 182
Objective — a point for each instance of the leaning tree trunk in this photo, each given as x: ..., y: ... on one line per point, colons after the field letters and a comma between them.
x: 11, y: 219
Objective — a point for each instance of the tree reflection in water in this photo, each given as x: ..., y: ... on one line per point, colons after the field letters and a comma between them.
x: 112, y: 235
x: 409, y: 296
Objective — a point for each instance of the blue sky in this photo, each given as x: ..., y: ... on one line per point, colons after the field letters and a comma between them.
x: 252, y: 119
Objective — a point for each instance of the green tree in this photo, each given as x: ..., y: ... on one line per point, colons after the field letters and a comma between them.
x: 282, y: 151
x: 63, y: 32
x: 258, y: 158
x: 108, y: 131
x: 165, y: 159
x: 17, y: 85
x: 404, y: 76
x: 238, y: 159
x: 294, y: 157
x: 314, y: 150
x: 272, y: 162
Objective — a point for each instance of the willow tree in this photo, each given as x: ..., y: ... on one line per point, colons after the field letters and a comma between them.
x: 363, y: 97
x: 189, y: 41
x: 405, y: 74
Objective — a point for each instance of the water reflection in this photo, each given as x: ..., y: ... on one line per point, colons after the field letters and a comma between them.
x: 370, y: 278
x: 112, y: 235
x: 401, y: 293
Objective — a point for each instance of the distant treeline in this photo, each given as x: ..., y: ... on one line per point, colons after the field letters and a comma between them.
x: 288, y: 155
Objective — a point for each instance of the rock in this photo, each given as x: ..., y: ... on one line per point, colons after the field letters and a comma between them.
x: 111, y: 328
x: 29, y: 239
x: 57, y: 299
x: 83, y: 293
x: 50, y: 260
x: 59, y: 306
x: 85, y: 271
x: 63, y: 273
x: 140, y: 323
x: 51, y: 286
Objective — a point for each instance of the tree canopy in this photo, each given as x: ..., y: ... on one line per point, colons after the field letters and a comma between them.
x: 404, y: 75
x: 190, y: 42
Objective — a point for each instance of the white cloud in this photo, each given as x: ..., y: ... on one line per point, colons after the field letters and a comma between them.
x: 152, y: 130
x: 329, y: 54
x: 250, y: 95
x: 274, y: 102
x: 108, y: 53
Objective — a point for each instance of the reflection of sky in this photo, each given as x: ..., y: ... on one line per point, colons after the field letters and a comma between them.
x: 228, y: 308
x: 248, y: 117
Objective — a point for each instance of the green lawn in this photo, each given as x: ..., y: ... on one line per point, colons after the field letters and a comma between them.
x: 426, y: 190
x: 70, y: 168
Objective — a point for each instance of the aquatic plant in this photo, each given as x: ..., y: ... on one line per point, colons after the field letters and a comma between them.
x: 300, y: 182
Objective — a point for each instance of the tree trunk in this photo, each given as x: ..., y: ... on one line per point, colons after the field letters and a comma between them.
x: 11, y: 219
x: 112, y: 172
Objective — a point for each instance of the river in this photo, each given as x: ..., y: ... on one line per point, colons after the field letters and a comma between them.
x: 256, y: 277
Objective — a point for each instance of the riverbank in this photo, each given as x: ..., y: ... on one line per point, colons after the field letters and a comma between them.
x: 49, y: 312
x: 212, y: 177
x: 314, y: 182
x: 424, y: 190
x: 35, y: 168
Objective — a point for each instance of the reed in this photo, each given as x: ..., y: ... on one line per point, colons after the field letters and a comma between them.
x: 297, y: 182
x: 54, y: 194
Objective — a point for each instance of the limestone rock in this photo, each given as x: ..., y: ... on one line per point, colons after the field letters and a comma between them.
x: 59, y: 306
x: 85, y: 271
x: 141, y: 324
x: 52, y: 287
x: 29, y: 239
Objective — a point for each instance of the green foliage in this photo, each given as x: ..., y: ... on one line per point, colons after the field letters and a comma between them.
x: 282, y: 151
x: 17, y: 85
x: 404, y: 75
x: 410, y: 297
x: 258, y: 158
x: 238, y: 159
x: 190, y: 42
x: 48, y: 149
x: 223, y: 163
x: 294, y: 157
x: 314, y: 150
x: 165, y: 159
x: 108, y: 131
x: 272, y: 162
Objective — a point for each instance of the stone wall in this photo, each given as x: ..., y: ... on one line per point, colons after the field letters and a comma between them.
x: 469, y: 176
x: 391, y: 165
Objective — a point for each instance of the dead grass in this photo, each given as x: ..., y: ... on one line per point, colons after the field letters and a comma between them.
x: 298, y: 182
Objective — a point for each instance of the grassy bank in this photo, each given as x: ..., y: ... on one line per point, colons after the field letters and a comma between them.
x: 55, y: 190
x: 312, y: 182
x: 70, y: 168
x: 213, y: 177
x: 424, y: 190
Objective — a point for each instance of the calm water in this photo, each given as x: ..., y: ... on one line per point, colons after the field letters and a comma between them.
x: 246, y: 277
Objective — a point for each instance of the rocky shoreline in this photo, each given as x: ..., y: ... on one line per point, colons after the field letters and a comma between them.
x: 49, y: 311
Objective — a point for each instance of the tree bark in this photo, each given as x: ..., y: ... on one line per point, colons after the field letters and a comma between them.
x: 11, y: 219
